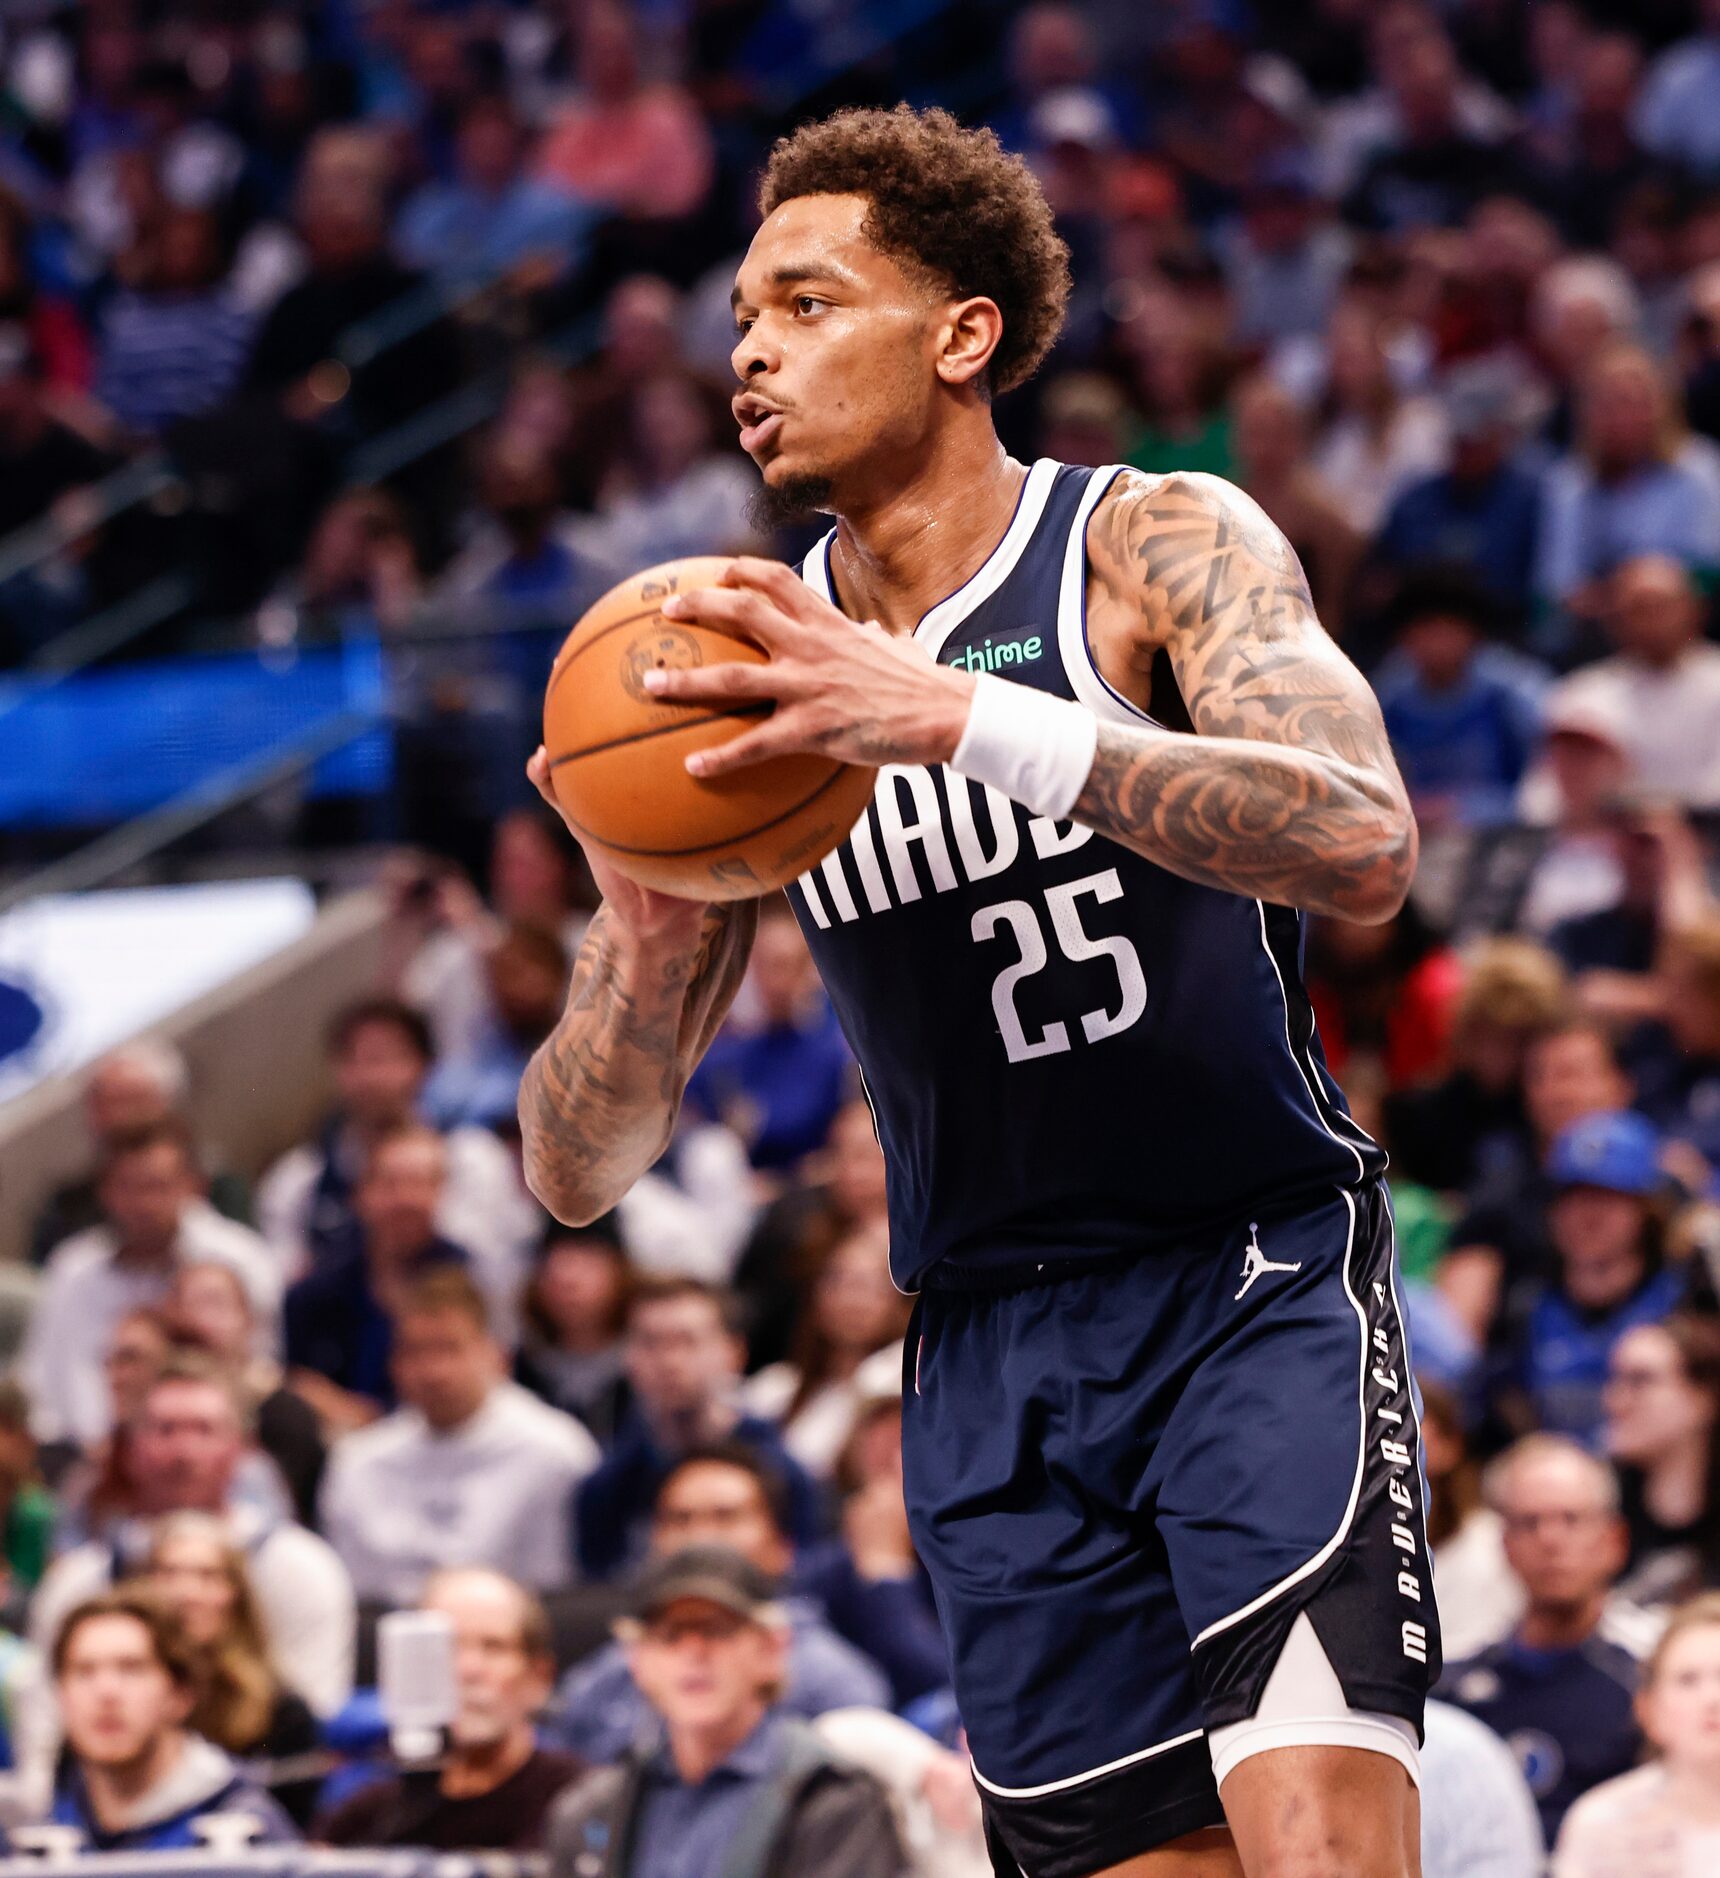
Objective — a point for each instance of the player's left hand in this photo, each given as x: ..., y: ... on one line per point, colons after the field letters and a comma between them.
x: 844, y: 688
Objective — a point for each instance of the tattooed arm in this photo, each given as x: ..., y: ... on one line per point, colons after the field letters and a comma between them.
x: 1288, y: 792
x: 653, y: 981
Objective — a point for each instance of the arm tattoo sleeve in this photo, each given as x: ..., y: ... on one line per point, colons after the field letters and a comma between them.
x: 1288, y: 791
x: 599, y: 1099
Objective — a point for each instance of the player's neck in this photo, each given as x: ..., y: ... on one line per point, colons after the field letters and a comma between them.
x: 899, y: 556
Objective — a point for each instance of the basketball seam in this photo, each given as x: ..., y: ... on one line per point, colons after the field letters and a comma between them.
x: 727, y: 841
x: 762, y: 709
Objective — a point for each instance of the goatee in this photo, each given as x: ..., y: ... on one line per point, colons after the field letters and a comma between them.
x: 797, y: 499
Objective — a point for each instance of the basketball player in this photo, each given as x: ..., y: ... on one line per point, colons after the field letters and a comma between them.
x: 1161, y: 1445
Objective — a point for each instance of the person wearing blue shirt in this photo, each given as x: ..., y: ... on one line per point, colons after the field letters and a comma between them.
x: 1483, y: 510
x: 683, y: 1353
x: 731, y: 1783
x: 492, y: 218
x: 778, y: 1083
x: 1560, y: 1689
x: 1675, y: 115
x: 1463, y: 715
x: 1605, y: 1173
x: 337, y: 1329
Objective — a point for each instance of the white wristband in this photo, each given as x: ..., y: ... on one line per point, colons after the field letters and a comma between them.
x: 1037, y: 749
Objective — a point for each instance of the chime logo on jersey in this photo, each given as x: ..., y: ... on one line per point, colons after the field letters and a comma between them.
x: 1018, y: 649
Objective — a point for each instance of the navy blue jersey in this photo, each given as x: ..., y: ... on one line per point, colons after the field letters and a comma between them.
x: 1070, y: 1053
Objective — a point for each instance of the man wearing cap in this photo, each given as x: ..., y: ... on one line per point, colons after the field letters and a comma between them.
x: 1606, y: 1230
x: 733, y: 1787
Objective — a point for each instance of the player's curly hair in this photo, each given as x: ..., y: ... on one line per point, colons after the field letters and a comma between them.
x: 947, y: 201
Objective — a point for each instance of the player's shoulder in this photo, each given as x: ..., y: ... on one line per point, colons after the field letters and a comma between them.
x: 1147, y: 521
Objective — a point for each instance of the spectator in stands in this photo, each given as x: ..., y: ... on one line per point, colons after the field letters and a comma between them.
x: 493, y: 1789
x: 379, y: 1057
x: 338, y: 1323
x: 849, y: 1347
x: 137, y: 1779
x: 670, y: 490
x: 1607, y: 1234
x: 1479, y: 1600
x: 1665, y: 1814
x: 1284, y: 258
x: 1663, y: 1434
x: 1678, y: 1061
x: 471, y: 1469
x: 709, y: 1649
x: 528, y: 972
x: 1511, y: 992
x: 342, y: 221
x: 208, y: 1310
x: 1663, y: 683
x: 638, y: 149
x: 1559, y: 1689
x: 136, y: 1086
x: 1269, y: 433
x: 1463, y: 714
x: 1574, y: 793
x: 26, y: 1506
x: 1176, y: 382
x: 796, y: 1233
x: 491, y: 222
x: 575, y: 1305
x: 1482, y: 509
x: 155, y: 1219
x: 1375, y: 441
x: 447, y: 929
x: 1478, y: 1815
x: 242, y: 1704
x: 1675, y: 117
x: 724, y: 1495
x: 186, y: 1450
x: 1501, y: 1239
x: 173, y: 343
x: 96, y: 1488
x: 779, y: 1080
x: 684, y: 1353
x: 1634, y: 485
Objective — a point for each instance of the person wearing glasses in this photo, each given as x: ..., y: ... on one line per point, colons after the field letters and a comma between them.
x: 1560, y: 1688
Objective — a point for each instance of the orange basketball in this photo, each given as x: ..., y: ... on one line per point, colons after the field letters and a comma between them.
x: 618, y: 756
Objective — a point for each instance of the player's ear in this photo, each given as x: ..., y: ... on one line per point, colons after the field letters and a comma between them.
x: 967, y: 337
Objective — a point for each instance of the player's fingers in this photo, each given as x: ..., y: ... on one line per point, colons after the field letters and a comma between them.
x: 709, y: 684
x: 773, y: 738
x: 537, y: 773
x: 739, y: 609
x: 779, y: 584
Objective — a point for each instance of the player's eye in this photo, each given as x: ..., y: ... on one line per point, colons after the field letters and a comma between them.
x: 743, y: 323
x: 805, y: 302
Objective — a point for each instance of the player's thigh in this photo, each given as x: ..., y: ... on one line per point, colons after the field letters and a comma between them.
x: 1323, y: 1812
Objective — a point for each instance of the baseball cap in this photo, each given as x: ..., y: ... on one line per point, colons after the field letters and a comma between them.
x: 1581, y: 712
x: 711, y: 1573
x: 1616, y: 1150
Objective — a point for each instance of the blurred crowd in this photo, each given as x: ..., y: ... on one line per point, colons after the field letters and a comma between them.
x: 1439, y: 284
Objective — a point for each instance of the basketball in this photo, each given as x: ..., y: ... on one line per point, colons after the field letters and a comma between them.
x: 618, y: 755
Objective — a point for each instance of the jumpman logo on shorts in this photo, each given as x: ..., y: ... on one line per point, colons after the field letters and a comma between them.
x: 1255, y: 1263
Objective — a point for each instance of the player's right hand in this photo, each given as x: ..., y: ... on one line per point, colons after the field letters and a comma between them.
x: 645, y: 912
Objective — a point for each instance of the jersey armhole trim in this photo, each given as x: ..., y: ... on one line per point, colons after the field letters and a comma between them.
x: 1090, y: 685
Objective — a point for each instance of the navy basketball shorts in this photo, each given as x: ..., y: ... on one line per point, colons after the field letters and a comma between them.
x: 1129, y: 1484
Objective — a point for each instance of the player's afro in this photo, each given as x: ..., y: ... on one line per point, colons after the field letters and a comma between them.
x: 948, y: 201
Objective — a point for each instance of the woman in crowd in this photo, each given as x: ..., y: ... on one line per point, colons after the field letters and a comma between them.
x: 574, y: 1306
x: 1662, y: 1405
x: 849, y: 1347
x: 1479, y: 1599
x: 1662, y: 1820
x: 241, y: 1705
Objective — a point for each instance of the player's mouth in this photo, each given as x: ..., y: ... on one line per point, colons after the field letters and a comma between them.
x: 759, y: 422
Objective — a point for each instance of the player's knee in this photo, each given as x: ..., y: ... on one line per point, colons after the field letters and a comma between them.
x: 1330, y: 1848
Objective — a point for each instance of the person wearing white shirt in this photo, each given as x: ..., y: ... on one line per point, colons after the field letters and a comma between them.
x: 380, y: 1055
x: 156, y: 1220
x: 1478, y: 1817
x: 471, y: 1470
x: 1662, y: 1820
x: 1662, y: 686
x: 188, y: 1441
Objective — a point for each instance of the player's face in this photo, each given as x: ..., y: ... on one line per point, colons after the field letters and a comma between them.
x: 835, y: 351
